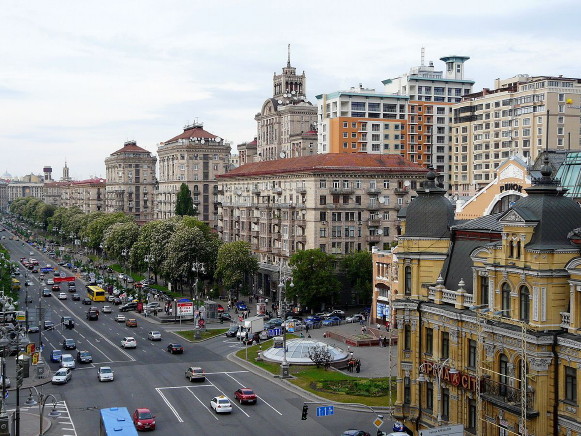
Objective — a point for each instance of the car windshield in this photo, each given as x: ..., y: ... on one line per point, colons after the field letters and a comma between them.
x: 247, y: 391
x: 61, y: 372
x: 106, y: 370
x: 67, y: 358
x: 145, y: 415
x: 155, y: 333
x: 223, y: 401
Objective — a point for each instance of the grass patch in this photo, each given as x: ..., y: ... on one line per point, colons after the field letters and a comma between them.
x: 206, y: 334
x: 332, y: 385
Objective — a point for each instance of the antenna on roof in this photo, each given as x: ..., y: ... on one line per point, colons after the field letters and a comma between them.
x: 288, y: 60
x: 423, y: 54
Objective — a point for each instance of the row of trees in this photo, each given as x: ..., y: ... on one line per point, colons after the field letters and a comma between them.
x: 174, y: 249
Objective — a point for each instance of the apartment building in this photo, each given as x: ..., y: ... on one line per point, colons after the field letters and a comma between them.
x: 339, y: 203
x: 285, y: 115
x: 486, y: 313
x: 52, y: 192
x: 194, y: 157
x: 361, y: 121
x: 88, y: 195
x: 522, y: 115
x: 131, y: 182
x: 431, y: 96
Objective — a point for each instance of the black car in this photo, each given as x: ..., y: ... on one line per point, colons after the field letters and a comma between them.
x: 93, y: 315
x: 56, y: 288
x: 225, y: 317
x: 84, y: 357
x: 33, y: 329
x: 46, y: 293
x: 48, y: 325
x: 76, y: 297
x: 87, y: 300
x: 128, y: 306
x: 68, y: 322
x: 175, y: 348
x: 69, y: 344
x: 231, y: 333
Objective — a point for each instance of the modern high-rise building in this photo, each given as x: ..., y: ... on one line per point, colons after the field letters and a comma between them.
x: 522, y: 115
x: 431, y: 96
x: 285, y: 115
x: 131, y: 182
x: 194, y: 157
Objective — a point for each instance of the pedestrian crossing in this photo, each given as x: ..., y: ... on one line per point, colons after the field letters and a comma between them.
x: 64, y: 422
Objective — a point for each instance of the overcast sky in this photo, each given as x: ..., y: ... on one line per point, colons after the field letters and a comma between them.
x: 79, y: 78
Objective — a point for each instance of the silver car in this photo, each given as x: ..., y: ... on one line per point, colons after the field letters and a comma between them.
x: 67, y: 361
x: 105, y: 373
x: 62, y: 376
x: 154, y: 336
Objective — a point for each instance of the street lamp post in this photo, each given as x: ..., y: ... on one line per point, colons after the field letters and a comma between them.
x: 198, y: 267
x: 283, y: 278
x: 4, y: 427
x: 437, y: 368
x: 42, y: 400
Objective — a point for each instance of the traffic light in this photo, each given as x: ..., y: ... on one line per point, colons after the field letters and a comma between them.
x: 305, y: 411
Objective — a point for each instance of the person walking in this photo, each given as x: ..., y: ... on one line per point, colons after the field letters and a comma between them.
x: 358, y: 366
x: 307, y: 328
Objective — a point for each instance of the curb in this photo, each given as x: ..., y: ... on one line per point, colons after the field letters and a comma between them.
x: 309, y: 396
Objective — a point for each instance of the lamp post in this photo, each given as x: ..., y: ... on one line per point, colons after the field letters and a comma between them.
x: 148, y: 259
x: 283, y: 277
x: 4, y: 427
x: 436, y: 368
x: 198, y: 267
x: 42, y: 400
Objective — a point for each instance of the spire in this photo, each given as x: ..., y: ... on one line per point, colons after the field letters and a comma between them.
x: 288, y: 60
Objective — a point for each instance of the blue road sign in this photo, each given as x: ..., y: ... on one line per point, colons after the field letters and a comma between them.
x: 274, y: 332
x: 325, y: 411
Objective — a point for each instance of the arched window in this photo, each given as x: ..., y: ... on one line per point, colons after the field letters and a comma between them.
x: 408, y: 280
x: 510, y: 249
x: 506, y: 300
x: 518, y: 250
x: 483, y: 289
x: 503, y: 375
x: 525, y: 298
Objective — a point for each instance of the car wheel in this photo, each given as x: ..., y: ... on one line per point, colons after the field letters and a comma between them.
x: 240, y: 400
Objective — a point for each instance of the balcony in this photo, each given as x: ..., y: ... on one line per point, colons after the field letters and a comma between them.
x: 255, y: 191
x: 373, y: 238
x: 507, y: 397
x: 400, y: 191
x: 373, y: 205
x: 341, y: 191
x: 301, y: 190
x: 374, y: 222
x: 301, y: 238
x: 565, y: 320
x: 373, y: 191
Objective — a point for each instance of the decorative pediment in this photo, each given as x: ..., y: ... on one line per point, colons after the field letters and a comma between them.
x: 511, y: 217
x: 511, y: 171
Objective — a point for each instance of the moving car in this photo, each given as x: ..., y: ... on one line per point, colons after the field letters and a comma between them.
x: 48, y: 325
x: 221, y: 404
x: 128, y: 306
x: 175, y: 348
x: 154, y: 335
x: 105, y: 373
x: 87, y: 301
x: 355, y: 433
x: 6, y: 381
x: 55, y: 355
x: 62, y: 376
x: 33, y: 329
x: 50, y: 282
x: 143, y: 419
x: 231, y: 333
x: 68, y: 322
x: 76, y: 297
x: 92, y: 314
x: 69, y: 344
x: 62, y: 296
x: 195, y: 373
x: 128, y: 342
x: 67, y: 361
x: 120, y: 318
x: 132, y: 322
x: 225, y: 316
x: 84, y: 357
x: 46, y: 293
x: 107, y: 309
x: 56, y: 288
x: 245, y: 395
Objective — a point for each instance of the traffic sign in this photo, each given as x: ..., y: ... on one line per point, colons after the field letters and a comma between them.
x: 378, y: 422
x: 325, y: 410
x: 274, y: 332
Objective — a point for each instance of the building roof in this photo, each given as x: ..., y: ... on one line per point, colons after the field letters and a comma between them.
x: 92, y: 181
x: 130, y: 147
x: 193, y: 131
x: 330, y: 162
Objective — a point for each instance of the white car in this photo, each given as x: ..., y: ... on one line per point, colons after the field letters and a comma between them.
x: 354, y: 318
x: 62, y: 376
x: 120, y: 318
x: 129, y: 342
x: 221, y: 404
x: 62, y: 296
x: 105, y: 373
x: 154, y: 336
x: 107, y: 309
x: 67, y: 361
x: 50, y: 282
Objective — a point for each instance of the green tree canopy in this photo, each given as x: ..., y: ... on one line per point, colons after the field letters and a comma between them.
x: 314, y: 278
x: 235, y: 262
x: 119, y: 237
x: 184, y: 202
x: 96, y: 228
x: 358, y: 267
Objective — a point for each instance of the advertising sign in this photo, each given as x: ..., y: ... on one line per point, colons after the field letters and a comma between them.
x: 35, y: 358
x: 64, y: 279
x: 260, y: 308
x: 185, y: 308
x: 30, y: 349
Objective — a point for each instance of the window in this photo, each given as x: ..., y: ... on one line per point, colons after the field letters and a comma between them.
x: 472, y: 415
x: 570, y: 384
x: 429, y: 341
x: 503, y: 374
x: 407, y: 391
x: 483, y: 289
x: 407, y: 337
x: 445, y: 403
x: 506, y: 300
x: 408, y: 281
x: 323, y: 184
x: 472, y: 350
x: 429, y: 396
x: 524, y: 303
x: 445, y: 345
x: 323, y: 200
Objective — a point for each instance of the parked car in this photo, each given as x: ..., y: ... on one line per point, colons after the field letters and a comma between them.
x: 225, y: 316
x: 131, y: 322
x: 355, y: 433
x: 245, y: 395
x: 105, y: 373
x: 231, y: 333
x: 62, y: 376
x: 174, y: 348
x: 195, y: 373
x: 332, y: 320
x: 355, y: 318
x: 143, y: 419
x: 241, y: 305
x: 55, y: 355
x: 154, y: 335
x: 84, y: 357
x: 221, y: 404
x: 337, y: 312
x: 128, y: 306
x: 128, y: 342
x: 67, y: 361
x: 6, y: 382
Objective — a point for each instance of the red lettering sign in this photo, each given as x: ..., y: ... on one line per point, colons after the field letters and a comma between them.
x: 465, y: 381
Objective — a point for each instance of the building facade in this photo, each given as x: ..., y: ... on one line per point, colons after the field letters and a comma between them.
x: 194, y: 157
x: 53, y: 191
x: 361, y: 121
x: 338, y: 203
x: 284, y: 116
x: 522, y: 115
x: 88, y: 195
x: 131, y: 182
x: 432, y: 94
x: 487, y: 315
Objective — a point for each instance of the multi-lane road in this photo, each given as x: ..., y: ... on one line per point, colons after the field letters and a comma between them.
x: 149, y: 376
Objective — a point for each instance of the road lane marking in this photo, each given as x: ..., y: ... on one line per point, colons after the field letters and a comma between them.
x: 261, y: 399
x: 172, y: 408
x: 231, y: 402
x: 203, y: 405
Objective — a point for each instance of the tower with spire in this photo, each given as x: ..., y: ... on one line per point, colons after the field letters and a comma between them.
x: 289, y: 84
x: 66, y: 177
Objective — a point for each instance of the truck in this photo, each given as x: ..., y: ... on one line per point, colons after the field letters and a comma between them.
x: 252, y: 325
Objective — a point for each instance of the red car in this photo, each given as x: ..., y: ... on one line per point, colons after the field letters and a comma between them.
x: 220, y: 308
x: 143, y: 419
x: 245, y: 395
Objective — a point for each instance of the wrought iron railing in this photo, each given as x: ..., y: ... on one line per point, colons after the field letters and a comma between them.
x: 506, y: 393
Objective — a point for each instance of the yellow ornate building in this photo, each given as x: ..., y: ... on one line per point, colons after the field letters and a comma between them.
x: 488, y: 313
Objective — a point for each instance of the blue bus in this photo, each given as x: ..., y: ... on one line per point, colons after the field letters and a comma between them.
x: 116, y: 421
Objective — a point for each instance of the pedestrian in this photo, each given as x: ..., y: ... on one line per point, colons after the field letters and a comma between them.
x: 363, y: 330
x: 351, y: 355
x: 385, y: 341
x: 358, y: 366
x: 307, y: 328
x: 380, y: 341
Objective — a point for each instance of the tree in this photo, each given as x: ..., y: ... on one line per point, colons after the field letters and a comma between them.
x: 358, y: 267
x: 95, y: 229
x: 314, y: 277
x: 184, y: 202
x: 235, y: 262
x: 320, y: 355
x: 119, y: 237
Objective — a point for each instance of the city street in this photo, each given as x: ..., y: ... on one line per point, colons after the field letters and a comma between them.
x: 149, y: 376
